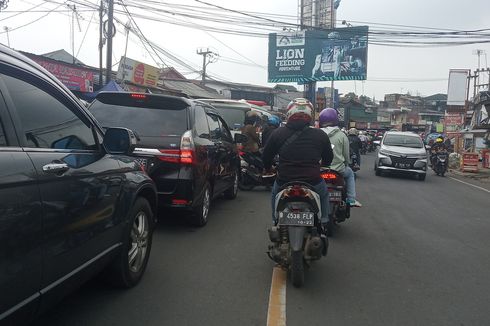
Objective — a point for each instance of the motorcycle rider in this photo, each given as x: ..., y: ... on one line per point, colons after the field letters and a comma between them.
x: 355, y: 143
x: 273, y: 123
x: 300, y: 150
x: 251, y: 146
x: 364, y: 140
x: 438, y: 146
x: 329, y: 121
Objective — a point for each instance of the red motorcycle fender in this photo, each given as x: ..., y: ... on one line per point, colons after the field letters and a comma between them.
x: 296, y: 236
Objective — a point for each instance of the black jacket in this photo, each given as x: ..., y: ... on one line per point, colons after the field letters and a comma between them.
x: 355, y: 143
x: 300, y: 161
x: 266, y: 133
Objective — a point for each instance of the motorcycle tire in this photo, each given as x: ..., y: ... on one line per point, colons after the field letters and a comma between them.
x: 297, y: 268
x: 330, y: 228
x: 244, y: 185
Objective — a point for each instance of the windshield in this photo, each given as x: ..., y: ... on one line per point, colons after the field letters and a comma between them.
x: 403, y: 140
x: 146, y: 122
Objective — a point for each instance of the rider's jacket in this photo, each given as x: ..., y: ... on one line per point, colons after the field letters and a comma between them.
x: 300, y: 160
x: 340, y: 144
x: 252, y: 143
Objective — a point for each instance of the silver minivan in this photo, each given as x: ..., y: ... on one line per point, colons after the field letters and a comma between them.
x: 402, y: 152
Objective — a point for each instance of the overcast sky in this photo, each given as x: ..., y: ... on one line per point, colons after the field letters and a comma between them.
x: 389, y: 68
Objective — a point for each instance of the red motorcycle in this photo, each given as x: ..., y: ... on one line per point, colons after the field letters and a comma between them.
x: 339, y: 211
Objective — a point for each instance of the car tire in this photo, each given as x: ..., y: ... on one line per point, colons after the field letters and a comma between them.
x: 201, y: 212
x: 128, y: 267
x: 421, y: 177
x: 377, y: 172
x: 232, y: 192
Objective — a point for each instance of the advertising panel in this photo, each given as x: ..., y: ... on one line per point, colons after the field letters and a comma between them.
x: 453, y: 122
x: 137, y: 72
x: 76, y: 79
x: 457, y: 86
x: 318, y: 55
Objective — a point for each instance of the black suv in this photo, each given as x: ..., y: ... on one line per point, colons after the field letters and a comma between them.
x: 184, y: 144
x: 71, y: 202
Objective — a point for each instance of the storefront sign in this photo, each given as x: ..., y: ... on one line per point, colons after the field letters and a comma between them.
x: 453, y: 122
x: 76, y: 79
x: 137, y: 72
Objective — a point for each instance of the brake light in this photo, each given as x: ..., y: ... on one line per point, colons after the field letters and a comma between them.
x: 138, y: 96
x: 241, y: 153
x: 295, y: 191
x: 329, y: 176
x: 184, y: 155
x: 180, y: 202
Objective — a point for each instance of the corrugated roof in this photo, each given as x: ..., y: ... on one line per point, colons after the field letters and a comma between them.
x: 62, y: 55
x: 191, y: 89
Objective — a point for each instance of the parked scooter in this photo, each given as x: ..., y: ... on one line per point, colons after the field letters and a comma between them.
x: 297, y: 237
x: 339, y: 210
x: 440, y: 162
x: 251, y: 174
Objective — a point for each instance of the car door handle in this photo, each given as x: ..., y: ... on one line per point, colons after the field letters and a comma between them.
x: 55, y: 167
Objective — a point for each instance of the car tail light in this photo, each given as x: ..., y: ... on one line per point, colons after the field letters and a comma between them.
x: 329, y: 176
x: 184, y: 155
x: 180, y: 201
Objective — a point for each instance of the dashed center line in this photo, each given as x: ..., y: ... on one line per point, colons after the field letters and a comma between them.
x: 276, y: 314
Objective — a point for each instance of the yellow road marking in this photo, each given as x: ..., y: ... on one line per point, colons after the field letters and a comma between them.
x: 276, y: 315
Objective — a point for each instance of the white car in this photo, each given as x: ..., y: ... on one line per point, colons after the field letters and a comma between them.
x: 402, y: 152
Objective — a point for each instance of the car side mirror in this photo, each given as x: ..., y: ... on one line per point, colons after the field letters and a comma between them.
x: 427, y: 147
x: 240, y: 138
x: 119, y: 141
x: 377, y: 143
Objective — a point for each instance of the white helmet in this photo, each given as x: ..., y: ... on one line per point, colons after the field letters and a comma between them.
x: 299, y: 109
x: 353, y: 131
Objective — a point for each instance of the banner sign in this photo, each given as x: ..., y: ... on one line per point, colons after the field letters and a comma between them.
x: 453, y: 122
x: 137, y: 72
x: 318, y: 55
x: 76, y: 79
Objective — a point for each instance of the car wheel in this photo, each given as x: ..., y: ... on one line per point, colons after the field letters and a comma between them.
x: 377, y: 172
x: 128, y: 267
x: 232, y: 192
x: 421, y: 177
x: 201, y: 212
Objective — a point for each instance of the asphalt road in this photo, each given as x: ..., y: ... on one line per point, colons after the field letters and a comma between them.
x: 416, y: 253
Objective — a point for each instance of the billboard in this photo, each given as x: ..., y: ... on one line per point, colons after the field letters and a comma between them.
x: 457, y: 86
x: 137, y: 72
x: 76, y: 79
x: 318, y: 55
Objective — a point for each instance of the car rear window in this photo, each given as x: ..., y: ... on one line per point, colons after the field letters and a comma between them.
x: 234, y: 118
x: 403, y: 140
x: 146, y: 120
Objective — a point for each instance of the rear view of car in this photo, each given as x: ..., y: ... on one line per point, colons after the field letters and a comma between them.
x: 184, y: 146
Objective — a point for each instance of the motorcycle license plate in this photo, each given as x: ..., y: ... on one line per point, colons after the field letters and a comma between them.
x: 402, y: 165
x: 297, y: 218
x: 335, y: 195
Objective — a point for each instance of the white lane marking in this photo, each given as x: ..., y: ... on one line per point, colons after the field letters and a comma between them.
x: 470, y: 184
x: 276, y: 314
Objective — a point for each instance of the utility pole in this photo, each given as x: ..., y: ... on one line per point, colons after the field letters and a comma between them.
x: 212, y: 58
x: 101, y: 42
x: 110, y: 34
x: 6, y: 29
